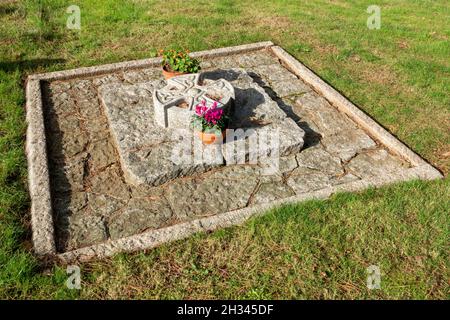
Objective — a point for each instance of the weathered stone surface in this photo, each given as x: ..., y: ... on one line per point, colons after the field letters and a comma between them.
x: 318, y: 169
x: 61, y: 124
x: 104, y: 205
x: 88, y: 110
x: 279, y: 138
x: 222, y: 62
x: 259, y: 120
x: 207, y: 65
x: 273, y: 72
x: 101, y: 154
x: 254, y: 108
x: 191, y: 198
x: 167, y: 161
x: 237, y: 76
x: 328, y: 120
x: 84, y: 230
x: 347, y: 178
x: 70, y: 177
x: 146, y: 191
x: 69, y: 203
x: 268, y: 192
x: 67, y: 138
x: 317, y: 158
x: 83, y: 87
x: 57, y: 88
x: 306, y: 180
x: 139, y: 215
x: 254, y: 59
x: 109, y: 182
x: 143, y: 75
x: 235, y: 172
x: 130, y: 114
x: 287, y: 164
x: 374, y: 163
x: 60, y: 102
x: 105, y: 80
x: 312, y: 102
x: 347, y: 143
x: 74, y: 146
x: 290, y: 87
x: 98, y: 129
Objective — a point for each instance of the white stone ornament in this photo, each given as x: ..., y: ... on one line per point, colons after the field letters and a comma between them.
x: 175, y: 103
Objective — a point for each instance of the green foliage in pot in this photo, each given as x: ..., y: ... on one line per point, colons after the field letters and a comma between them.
x: 179, y: 61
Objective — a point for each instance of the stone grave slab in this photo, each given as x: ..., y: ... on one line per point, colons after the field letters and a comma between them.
x: 102, y: 180
x: 151, y: 149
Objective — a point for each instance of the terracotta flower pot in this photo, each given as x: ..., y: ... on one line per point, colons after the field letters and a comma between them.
x: 170, y: 74
x: 210, y: 138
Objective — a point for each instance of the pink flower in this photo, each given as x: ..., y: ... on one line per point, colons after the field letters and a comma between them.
x: 211, y: 114
x: 200, y: 109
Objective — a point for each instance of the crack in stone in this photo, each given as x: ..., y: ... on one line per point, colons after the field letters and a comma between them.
x: 252, y: 194
x: 149, y: 146
x: 106, y: 226
x: 170, y: 205
x: 100, y: 170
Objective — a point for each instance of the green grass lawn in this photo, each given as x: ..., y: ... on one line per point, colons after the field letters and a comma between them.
x: 400, y: 75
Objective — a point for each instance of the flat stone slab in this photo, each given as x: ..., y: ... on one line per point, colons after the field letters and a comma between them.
x: 155, y: 154
x: 101, y: 176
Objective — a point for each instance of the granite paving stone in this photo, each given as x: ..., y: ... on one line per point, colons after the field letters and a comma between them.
x: 268, y: 192
x: 347, y: 143
x: 202, y: 197
x: 374, y: 163
x: 139, y: 215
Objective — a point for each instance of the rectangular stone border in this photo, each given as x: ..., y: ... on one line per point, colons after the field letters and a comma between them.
x: 39, y: 183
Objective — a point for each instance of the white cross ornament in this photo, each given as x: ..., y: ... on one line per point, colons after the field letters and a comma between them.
x: 175, y: 103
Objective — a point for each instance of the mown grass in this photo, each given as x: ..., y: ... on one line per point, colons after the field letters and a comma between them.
x: 399, y: 74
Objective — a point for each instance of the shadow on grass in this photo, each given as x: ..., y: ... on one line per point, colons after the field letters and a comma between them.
x: 7, y: 8
x: 28, y: 65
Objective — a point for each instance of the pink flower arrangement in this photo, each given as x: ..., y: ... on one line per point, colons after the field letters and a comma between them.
x: 211, y: 114
x: 207, y: 118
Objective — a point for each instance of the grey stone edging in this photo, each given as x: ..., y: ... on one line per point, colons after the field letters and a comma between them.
x: 347, y: 107
x: 38, y: 175
x: 143, y: 63
x: 39, y: 184
x: 154, y: 238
